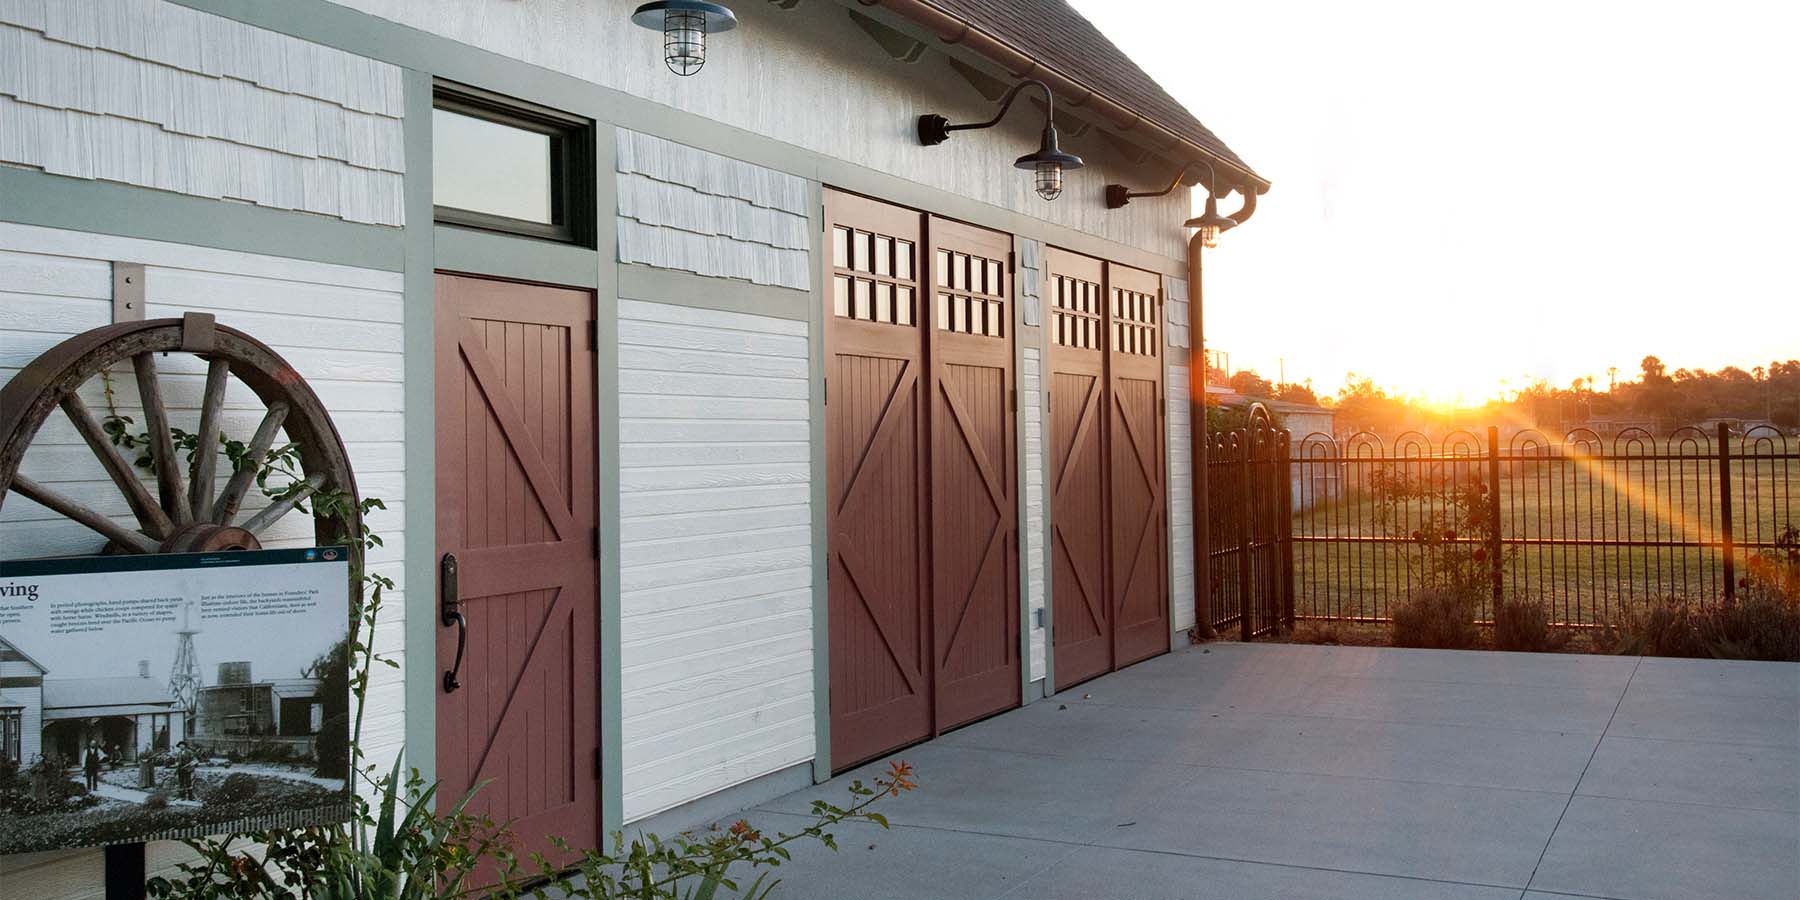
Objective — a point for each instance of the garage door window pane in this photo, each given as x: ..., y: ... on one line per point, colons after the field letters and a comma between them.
x: 490, y: 167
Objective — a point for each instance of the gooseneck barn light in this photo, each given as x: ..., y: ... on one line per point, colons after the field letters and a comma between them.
x: 685, y: 25
x: 1209, y: 223
x: 1047, y: 165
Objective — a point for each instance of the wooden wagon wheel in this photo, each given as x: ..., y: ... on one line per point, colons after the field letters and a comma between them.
x: 189, y: 513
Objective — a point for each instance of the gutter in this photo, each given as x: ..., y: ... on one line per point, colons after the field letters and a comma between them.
x: 952, y: 30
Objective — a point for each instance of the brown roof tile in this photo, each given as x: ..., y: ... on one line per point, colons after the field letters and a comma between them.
x: 1054, y: 35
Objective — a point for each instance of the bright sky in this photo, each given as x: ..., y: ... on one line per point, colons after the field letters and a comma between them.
x: 1470, y: 194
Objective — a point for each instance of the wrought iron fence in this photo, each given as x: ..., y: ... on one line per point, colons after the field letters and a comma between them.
x: 1250, y: 546
x: 1586, y: 525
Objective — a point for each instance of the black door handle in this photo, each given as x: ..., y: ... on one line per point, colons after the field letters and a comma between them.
x: 450, y: 613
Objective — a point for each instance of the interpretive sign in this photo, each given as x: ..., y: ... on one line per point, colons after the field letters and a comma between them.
x: 169, y: 696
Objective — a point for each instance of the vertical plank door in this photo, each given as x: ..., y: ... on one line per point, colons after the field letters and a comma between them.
x: 974, y: 507
x: 1082, y: 614
x: 880, y: 643
x: 516, y: 508
x: 1137, y: 493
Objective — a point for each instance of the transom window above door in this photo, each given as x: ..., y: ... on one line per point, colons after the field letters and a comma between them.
x: 506, y: 165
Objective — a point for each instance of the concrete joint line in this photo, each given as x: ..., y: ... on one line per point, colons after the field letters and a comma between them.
x: 1584, y: 770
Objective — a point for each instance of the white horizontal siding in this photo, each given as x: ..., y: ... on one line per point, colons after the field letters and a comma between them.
x: 59, y: 283
x: 1031, y: 410
x: 1181, y: 501
x: 154, y: 94
x: 716, y: 642
x: 687, y: 209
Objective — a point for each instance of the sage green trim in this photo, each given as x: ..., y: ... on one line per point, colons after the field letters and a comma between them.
x: 337, y: 26
x: 640, y: 282
x: 509, y: 256
x: 604, y: 272
x: 1023, y: 336
x: 1045, y: 457
x: 821, y: 494
x: 419, y: 341
x: 100, y: 207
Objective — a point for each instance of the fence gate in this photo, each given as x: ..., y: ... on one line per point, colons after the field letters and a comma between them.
x: 1250, y: 571
x: 1109, y: 549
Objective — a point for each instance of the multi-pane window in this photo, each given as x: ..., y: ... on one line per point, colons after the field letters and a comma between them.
x: 873, y: 277
x: 971, y: 294
x: 12, y: 733
x: 1134, y: 324
x: 1075, y: 312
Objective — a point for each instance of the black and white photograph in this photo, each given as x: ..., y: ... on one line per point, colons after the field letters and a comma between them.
x: 172, y: 696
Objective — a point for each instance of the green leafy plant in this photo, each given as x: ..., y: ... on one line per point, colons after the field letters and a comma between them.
x: 403, y: 846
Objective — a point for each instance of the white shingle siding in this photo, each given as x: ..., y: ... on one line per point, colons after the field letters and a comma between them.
x: 1181, y: 500
x: 1175, y: 311
x: 149, y: 93
x: 339, y: 327
x: 716, y: 554
x: 1031, y: 281
x: 1031, y: 420
x: 687, y: 209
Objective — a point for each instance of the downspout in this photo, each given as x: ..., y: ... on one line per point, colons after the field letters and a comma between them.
x: 1197, y: 434
x: 1197, y: 439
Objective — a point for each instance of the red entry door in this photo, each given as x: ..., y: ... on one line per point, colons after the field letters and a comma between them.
x: 516, y: 511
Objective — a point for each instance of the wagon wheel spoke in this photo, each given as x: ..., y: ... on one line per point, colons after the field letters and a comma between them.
x: 233, y: 496
x: 150, y: 516
x: 162, y: 444
x: 259, y: 523
x: 73, y: 509
x: 206, y: 453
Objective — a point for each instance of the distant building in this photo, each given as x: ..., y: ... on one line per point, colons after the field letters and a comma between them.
x: 240, y: 711
x: 21, y: 704
x: 133, y: 715
x: 1313, y: 482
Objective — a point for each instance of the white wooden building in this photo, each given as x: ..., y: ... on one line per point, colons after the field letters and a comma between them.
x: 769, y: 438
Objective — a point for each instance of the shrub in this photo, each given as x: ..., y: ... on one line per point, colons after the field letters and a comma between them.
x: 1761, y: 624
x: 1525, y: 625
x: 1440, y: 617
x: 237, y: 786
x: 157, y: 800
x: 1666, y: 628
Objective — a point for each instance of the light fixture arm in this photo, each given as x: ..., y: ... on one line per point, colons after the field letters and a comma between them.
x: 935, y: 129
x: 1118, y: 195
x: 1246, y: 211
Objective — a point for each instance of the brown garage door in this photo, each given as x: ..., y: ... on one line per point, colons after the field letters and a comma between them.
x: 1108, y: 552
x: 515, y: 533
x: 922, y: 571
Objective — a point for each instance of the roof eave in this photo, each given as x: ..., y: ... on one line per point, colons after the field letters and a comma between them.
x: 952, y: 30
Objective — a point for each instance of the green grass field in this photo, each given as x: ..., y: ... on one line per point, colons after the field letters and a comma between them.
x: 1673, y: 503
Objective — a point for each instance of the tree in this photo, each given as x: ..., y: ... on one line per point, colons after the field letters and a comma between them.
x: 1297, y: 393
x: 1250, y: 384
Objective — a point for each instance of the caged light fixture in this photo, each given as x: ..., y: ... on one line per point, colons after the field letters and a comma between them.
x: 1047, y: 165
x: 1209, y: 224
x: 685, y: 25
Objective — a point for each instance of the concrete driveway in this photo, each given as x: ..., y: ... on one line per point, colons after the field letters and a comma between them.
x: 1252, y: 771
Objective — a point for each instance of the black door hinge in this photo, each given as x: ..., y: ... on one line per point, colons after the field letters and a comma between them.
x: 824, y: 391
x: 1015, y: 399
x: 596, y: 543
x: 593, y: 335
x: 596, y: 762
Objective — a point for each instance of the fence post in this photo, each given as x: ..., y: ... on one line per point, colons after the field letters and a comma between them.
x: 1284, y: 531
x: 1496, y: 569
x: 1246, y: 519
x: 1725, y: 536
